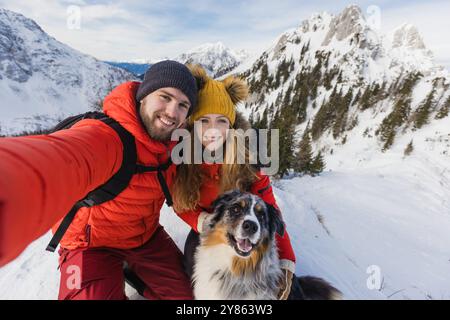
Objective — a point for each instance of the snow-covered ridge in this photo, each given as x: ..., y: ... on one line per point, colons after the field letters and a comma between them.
x: 341, y: 53
x: 43, y: 80
x: 353, y: 40
x: 216, y: 58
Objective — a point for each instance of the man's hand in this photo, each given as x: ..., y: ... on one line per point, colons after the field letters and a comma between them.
x: 285, y: 284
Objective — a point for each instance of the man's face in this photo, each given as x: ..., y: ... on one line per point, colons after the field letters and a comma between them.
x: 163, y: 111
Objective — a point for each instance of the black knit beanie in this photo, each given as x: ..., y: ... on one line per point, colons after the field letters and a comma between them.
x: 171, y: 74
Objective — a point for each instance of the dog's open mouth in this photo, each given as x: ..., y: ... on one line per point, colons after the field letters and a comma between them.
x: 243, y: 247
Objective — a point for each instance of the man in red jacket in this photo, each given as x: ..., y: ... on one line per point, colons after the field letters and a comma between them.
x: 41, y: 177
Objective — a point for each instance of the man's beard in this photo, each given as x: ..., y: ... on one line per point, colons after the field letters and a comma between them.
x: 158, y: 134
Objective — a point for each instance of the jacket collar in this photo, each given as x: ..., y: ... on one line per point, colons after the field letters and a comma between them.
x: 120, y: 105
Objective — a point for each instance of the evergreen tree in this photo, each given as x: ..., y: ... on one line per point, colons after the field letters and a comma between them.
x: 282, y: 72
x: 339, y: 78
x: 409, y: 149
x: 271, y: 109
x: 422, y: 113
x: 444, y: 110
x: 305, y: 48
x: 291, y: 65
x: 318, y: 164
x: 279, y: 99
x: 395, y: 119
x: 328, y: 77
x: 270, y: 81
x: 301, y: 115
x: 264, y: 72
x: 357, y: 97
x: 284, y: 120
x: 364, y: 101
x: 287, y: 96
x: 256, y: 121
x: 409, y: 83
x: 251, y: 119
x: 342, y: 107
x: 401, y: 110
x: 327, y: 114
x: 304, y: 157
x: 263, y: 124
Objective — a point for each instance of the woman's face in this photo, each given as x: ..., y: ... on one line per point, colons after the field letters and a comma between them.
x: 212, y: 130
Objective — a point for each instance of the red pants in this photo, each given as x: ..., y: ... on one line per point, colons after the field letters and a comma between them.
x: 97, y: 273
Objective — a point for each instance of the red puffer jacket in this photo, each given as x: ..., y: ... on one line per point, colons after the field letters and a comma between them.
x: 209, y: 191
x: 41, y: 177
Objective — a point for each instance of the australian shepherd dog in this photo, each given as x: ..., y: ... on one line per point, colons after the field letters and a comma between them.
x: 237, y: 257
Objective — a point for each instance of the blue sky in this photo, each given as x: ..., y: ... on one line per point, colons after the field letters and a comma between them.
x: 132, y: 29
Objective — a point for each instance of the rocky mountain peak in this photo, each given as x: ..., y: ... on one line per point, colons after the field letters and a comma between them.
x: 350, y: 21
x: 407, y: 36
x: 43, y: 80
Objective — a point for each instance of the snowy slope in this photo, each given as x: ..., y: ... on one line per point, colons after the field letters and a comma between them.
x: 396, y: 218
x: 377, y: 218
x: 43, y: 80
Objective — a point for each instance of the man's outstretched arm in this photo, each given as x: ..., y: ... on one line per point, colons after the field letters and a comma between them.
x: 41, y: 178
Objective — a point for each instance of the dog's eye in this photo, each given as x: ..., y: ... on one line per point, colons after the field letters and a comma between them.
x: 235, y: 209
x: 258, y: 208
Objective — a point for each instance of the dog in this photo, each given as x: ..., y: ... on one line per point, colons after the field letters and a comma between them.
x: 237, y: 258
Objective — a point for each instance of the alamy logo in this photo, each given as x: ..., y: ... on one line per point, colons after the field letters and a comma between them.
x: 240, y: 147
x: 74, y: 279
x: 73, y: 17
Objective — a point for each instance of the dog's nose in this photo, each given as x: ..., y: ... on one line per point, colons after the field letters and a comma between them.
x: 250, y: 227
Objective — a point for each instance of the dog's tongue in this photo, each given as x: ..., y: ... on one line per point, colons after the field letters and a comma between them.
x: 244, y: 245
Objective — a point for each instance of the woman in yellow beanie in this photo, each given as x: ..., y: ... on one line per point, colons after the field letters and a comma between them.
x: 196, y: 186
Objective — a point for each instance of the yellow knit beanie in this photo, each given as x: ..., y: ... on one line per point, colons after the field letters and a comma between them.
x: 219, y: 97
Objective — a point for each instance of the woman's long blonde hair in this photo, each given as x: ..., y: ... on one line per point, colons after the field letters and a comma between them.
x: 189, y: 177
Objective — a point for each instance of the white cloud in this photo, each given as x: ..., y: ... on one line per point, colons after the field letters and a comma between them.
x: 128, y: 30
x: 108, y: 31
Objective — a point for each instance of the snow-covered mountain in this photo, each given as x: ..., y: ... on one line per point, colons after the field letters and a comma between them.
x: 216, y: 58
x: 375, y: 224
x: 357, y: 89
x: 43, y: 80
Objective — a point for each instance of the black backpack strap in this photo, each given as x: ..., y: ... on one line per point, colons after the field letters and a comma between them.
x: 119, y: 181
x: 70, y: 121
x: 133, y: 280
x: 261, y: 191
x: 65, y: 223
x: 159, y: 169
x: 115, y: 185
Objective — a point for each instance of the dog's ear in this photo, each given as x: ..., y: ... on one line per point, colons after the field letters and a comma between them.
x: 220, y: 204
x: 276, y: 224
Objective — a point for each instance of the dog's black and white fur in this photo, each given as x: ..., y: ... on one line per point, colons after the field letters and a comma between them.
x: 237, y: 257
